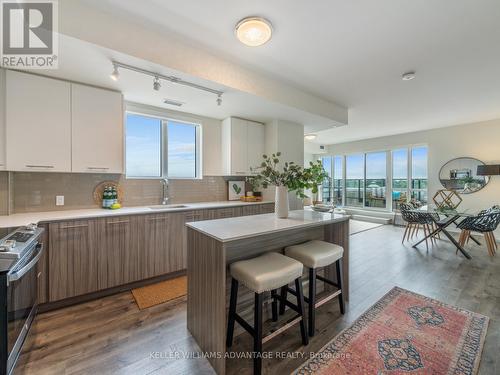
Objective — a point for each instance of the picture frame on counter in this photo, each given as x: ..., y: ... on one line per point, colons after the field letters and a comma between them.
x: 236, y: 190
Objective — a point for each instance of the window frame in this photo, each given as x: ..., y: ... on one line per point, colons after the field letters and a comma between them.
x: 164, y: 120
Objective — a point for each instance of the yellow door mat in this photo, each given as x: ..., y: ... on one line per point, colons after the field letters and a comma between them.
x: 162, y: 292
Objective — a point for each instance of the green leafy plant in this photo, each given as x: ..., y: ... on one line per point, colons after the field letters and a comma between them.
x: 295, y: 177
x: 255, y: 182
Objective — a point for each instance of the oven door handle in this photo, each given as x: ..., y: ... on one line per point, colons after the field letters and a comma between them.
x: 20, y: 273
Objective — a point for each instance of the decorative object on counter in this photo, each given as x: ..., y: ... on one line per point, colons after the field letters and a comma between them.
x: 288, y: 177
x: 322, y: 208
x: 236, y: 190
x: 405, y: 332
x: 251, y: 199
x: 463, y: 175
x: 108, y: 194
x: 446, y: 199
x: 255, y: 182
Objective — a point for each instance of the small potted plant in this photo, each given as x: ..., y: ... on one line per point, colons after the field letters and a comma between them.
x: 288, y: 177
x: 255, y: 183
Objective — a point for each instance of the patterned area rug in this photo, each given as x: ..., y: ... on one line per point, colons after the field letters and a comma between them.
x: 405, y: 333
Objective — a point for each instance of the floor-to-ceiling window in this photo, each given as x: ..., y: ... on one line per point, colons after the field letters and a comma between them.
x: 327, y: 183
x: 376, y: 179
x: 419, y: 174
x: 354, y: 180
x: 338, y: 180
x: 399, y: 177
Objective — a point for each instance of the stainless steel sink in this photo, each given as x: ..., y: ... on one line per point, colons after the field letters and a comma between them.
x: 167, y: 206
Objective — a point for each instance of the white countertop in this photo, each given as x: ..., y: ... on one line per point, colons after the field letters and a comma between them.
x: 18, y: 220
x: 237, y: 228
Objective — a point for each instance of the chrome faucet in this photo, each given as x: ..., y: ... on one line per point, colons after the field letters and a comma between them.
x: 165, y: 192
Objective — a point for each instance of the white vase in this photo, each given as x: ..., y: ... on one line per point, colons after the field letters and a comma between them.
x: 281, y: 202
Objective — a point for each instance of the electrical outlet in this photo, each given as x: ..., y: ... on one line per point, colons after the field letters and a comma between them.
x: 59, y: 200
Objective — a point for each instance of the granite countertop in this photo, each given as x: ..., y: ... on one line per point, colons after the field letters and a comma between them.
x: 18, y: 220
x: 237, y: 228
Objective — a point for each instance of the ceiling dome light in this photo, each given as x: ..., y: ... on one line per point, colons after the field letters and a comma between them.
x: 310, y: 137
x: 408, y: 76
x: 254, y: 31
x: 116, y: 74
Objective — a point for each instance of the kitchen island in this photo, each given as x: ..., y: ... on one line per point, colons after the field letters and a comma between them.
x: 214, y: 244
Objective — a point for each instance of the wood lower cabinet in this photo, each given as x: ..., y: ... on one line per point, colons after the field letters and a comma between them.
x: 72, y: 259
x: 119, y: 253
x: 86, y: 256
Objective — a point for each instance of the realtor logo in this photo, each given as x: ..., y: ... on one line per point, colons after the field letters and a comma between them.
x: 29, y: 34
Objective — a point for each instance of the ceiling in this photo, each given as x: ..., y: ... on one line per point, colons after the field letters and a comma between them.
x: 87, y: 63
x: 354, y: 53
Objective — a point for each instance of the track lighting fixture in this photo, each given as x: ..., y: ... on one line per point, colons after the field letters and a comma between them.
x: 116, y: 74
x: 158, y: 77
x: 156, y: 84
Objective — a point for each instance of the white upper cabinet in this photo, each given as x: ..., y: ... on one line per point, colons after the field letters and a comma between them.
x: 38, y: 123
x: 97, y: 130
x: 2, y: 119
x: 256, y: 134
x: 242, y: 145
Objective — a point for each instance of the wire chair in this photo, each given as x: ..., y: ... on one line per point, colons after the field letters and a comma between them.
x: 485, y: 222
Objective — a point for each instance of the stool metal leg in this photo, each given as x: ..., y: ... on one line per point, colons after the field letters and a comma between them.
x: 312, y: 301
x: 232, y: 312
x: 338, y: 266
x: 284, y: 294
x: 274, y: 305
x: 302, y: 311
x: 257, y: 339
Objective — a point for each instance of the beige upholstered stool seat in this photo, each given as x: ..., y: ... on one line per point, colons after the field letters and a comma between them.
x: 314, y: 254
x: 266, y: 272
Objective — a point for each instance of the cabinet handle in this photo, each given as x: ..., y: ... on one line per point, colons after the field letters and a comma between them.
x: 40, y: 166
x: 74, y: 226
x: 98, y: 168
x: 158, y: 218
x: 118, y: 222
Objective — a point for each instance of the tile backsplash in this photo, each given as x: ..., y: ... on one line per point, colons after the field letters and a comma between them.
x: 31, y: 192
x: 4, y: 193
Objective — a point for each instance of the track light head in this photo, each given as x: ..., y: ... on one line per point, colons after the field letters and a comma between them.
x: 219, y: 99
x: 116, y: 74
x: 156, y: 84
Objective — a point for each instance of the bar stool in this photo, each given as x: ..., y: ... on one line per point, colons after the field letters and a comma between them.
x: 314, y: 255
x: 267, y: 272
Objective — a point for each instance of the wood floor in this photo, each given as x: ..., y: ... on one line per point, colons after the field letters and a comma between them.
x: 111, y: 336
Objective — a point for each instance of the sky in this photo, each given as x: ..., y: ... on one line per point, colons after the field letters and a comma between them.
x: 143, y: 148
x: 376, y: 164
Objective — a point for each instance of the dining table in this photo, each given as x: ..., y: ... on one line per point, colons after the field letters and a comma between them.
x: 443, y: 218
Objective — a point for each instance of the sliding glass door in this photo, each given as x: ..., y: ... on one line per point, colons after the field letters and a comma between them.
x: 338, y: 181
x: 376, y: 180
x: 399, y: 177
x: 354, y: 182
x: 419, y: 174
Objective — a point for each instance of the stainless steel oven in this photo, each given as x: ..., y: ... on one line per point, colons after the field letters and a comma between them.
x: 18, y: 292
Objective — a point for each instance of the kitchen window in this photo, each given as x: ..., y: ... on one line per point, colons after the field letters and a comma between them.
x: 161, y: 148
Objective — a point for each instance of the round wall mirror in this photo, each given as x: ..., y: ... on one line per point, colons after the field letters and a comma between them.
x: 461, y: 176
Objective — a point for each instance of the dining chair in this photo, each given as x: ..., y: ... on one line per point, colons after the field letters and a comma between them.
x: 485, y: 222
x: 415, y: 221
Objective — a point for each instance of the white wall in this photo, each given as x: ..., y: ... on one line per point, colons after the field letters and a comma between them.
x: 288, y: 138
x: 477, y: 140
x: 211, y: 135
